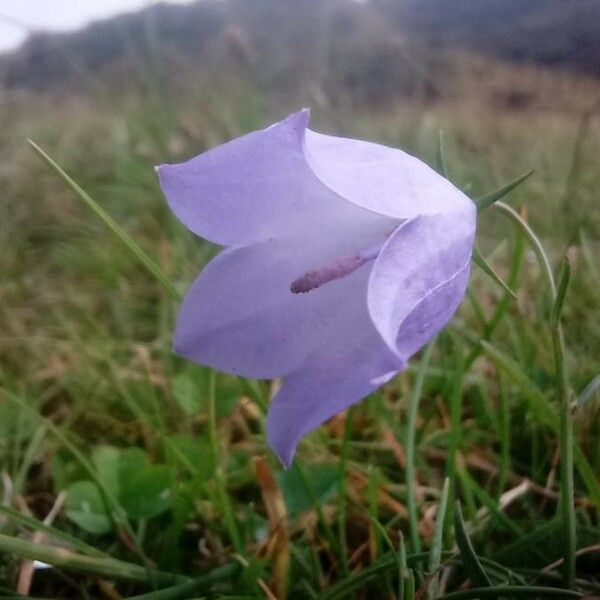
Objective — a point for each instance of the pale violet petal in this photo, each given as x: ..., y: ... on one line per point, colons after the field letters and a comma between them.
x: 254, y: 188
x: 415, y: 286
x: 382, y: 179
x: 240, y: 315
x: 298, y: 294
x: 346, y: 367
x: 431, y: 314
x: 420, y: 277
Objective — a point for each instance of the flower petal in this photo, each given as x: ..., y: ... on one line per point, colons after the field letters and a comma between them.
x: 420, y: 277
x: 344, y: 369
x: 431, y: 314
x: 254, y: 188
x: 240, y: 315
x: 382, y: 179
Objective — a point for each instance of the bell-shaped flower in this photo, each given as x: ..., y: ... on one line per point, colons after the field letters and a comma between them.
x: 343, y: 258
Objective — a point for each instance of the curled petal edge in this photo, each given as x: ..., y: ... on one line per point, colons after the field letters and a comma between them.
x: 215, y: 194
x: 419, y: 259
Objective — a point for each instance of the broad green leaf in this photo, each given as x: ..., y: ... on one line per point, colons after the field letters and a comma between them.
x: 86, y: 507
x: 193, y: 452
x: 187, y: 394
x: 107, y: 459
x: 146, y: 494
x: 324, y: 480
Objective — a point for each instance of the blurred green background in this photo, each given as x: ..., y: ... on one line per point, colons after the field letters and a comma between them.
x: 162, y: 464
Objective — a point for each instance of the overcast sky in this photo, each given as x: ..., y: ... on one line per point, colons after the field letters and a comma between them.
x: 18, y: 17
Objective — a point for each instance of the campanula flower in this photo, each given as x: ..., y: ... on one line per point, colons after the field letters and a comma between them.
x: 342, y: 259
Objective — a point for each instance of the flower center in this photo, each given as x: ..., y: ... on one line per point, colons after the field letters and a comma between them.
x: 341, y: 267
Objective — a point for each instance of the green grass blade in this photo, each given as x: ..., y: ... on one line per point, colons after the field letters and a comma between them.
x: 544, y: 413
x: 537, y: 400
x: 435, y: 552
x: 221, y: 484
x: 504, y: 425
x: 501, y: 309
x: 563, y: 284
x: 590, y: 389
x: 342, y: 493
x: 540, y: 537
x: 525, y: 591
x: 35, y: 525
x: 467, y: 552
x: 486, y: 500
x: 535, y: 243
x: 409, y: 586
x: 125, y: 238
x: 440, y: 160
x: 489, y: 199
x: 565, y: 429
x: 185, y: 589
x: 411, y: 430
x: 382, y: 533
x: 485, y: 266
x: 588, y: 474
x: 389, y: 562
x: 59, y: 557
x: 403, y: 572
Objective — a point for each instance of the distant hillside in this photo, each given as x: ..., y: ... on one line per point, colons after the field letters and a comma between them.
x: 362, y: 45
x: 46, y: 59
x: 553, y: 32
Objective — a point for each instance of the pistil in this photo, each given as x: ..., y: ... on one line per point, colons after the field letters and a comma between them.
x: 339, y: 268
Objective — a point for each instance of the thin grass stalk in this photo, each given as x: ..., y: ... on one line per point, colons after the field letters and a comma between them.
x: 454, y: 443
x: 501, y: 592
x: 342, y: 492
x: 567, y: 491
x: 390, y: 563
x: 411, y: 431
x: 505, y: 302
x: 505, y: 426
x: 402, y: 569
x: 222, y: 493
x: 150, y: 265
x: 53, y: 533
x: 567, y: 500
x: 437, y: 543
x: 181, y: 591
x: 108, y: 567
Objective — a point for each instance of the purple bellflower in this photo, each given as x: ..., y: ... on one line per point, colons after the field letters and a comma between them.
x: 343, y: 258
